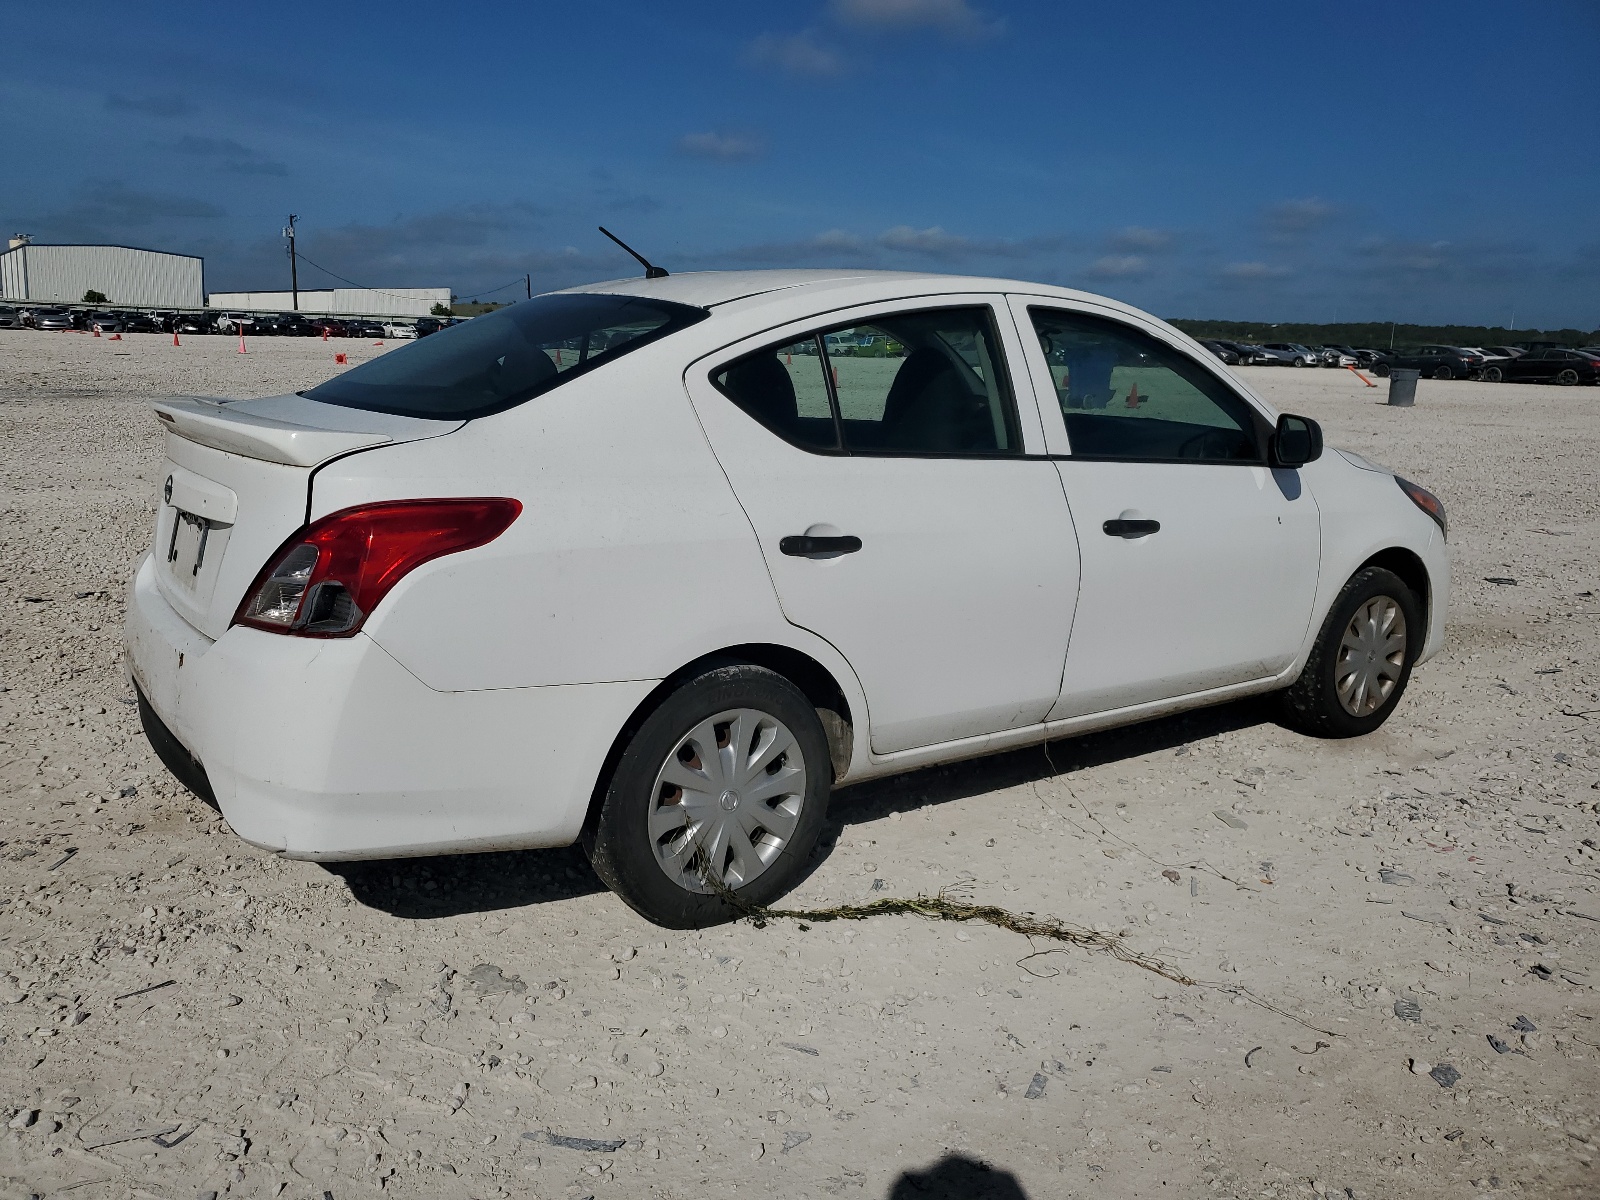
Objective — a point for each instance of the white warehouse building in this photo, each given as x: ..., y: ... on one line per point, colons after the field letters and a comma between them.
x: 125, y: 275
x: 329, y: 302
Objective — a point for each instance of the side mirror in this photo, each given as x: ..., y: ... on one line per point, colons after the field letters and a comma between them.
x: 1296, y: 442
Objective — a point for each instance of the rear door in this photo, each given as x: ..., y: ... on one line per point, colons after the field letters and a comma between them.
x: 1199, y: 563
x: 880, y: 457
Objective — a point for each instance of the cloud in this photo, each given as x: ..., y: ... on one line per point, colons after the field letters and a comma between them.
x: 157, y: 104
x: 1252, y: 272
x: 229, y: 155
x: 723, y: 147
x: 1416, y: 258
x: 1119, y: 266
x: 107, y: 209
x: 1296, y: 218
x: 794, y: 54
x: 935, y: 242
x: 954, y: 18
x: 1136, y: 239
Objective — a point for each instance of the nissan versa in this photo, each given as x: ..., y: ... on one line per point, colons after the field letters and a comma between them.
x: 656, y: 564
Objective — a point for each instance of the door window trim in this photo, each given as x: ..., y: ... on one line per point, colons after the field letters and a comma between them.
x: 1055, y: 428
x: 1005, y: 377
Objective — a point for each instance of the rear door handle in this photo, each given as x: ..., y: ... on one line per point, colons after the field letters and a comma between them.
x: 802, y: 545
x: 1131, y: 529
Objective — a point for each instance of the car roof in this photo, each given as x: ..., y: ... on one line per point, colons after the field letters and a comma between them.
x: 713, y: 289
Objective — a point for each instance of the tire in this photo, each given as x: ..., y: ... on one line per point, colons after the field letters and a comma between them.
x: 1381, y: 370
x: 1567, y: 377
x: 1444, y: 373
x: 1321, y: 702
x: 660, y: 876
x: 1492, y: 375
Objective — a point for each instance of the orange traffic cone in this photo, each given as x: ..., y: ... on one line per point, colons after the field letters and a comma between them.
x: 341, y: 358
x: 175, y: 340
x: 324, y: 333
x: 241, y: 342
x: 115, y: 337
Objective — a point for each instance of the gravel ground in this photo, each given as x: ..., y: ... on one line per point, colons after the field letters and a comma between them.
x: 181, y: 1013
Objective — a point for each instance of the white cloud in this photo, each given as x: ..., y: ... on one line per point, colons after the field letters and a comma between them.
x: 1294, y: 218
x: 955, y: 18
x: 931, y: 241
x: 795, y: 54
x: 1136, y: 239
x: 1247, y: 272
x: 726, y: 147
x: 1120, y: 266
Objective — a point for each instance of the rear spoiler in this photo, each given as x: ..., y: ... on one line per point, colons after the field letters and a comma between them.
x: 242, y: 427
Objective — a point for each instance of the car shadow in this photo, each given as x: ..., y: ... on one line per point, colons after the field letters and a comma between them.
x: 876, y: 799
x: 958, y: 1177
x: 450, y: 885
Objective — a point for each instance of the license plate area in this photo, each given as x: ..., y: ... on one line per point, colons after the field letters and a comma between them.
x: 186, y: 547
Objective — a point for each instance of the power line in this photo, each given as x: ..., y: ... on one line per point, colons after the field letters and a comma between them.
x: 380, y: 291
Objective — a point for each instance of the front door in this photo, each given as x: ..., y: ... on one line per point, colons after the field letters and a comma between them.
x: 1199, y: 561
x: 881, y: 463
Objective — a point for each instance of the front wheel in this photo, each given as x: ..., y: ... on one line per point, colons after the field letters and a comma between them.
x: 717, y: 801
x: 1362, y: 659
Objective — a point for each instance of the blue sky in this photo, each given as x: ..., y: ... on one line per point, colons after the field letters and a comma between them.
x: 1418, y: 162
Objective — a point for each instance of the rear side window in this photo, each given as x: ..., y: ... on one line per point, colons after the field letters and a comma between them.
x: 506, y: 357
x: 931, y: 382
x: 1126, y: 396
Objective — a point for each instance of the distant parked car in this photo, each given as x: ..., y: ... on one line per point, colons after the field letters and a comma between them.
x: 400, y: 330
x: 105, y: 322
x: 328, y: 327
x: 1291, y: 354
x: 232, y: 322
x: 139, y: 322
x: 1337, y: 356
x: 427, y: 325
x: 53, y: 318
x: 1223, y: 351
x: 1547, y: 366
x: 360, y: 328
x: 10, y: 318
x: 1512, y: 351
x: 1436, y: 362
x: 190, y: 323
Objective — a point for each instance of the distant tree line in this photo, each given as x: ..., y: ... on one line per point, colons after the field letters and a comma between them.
x: 1377, y: 334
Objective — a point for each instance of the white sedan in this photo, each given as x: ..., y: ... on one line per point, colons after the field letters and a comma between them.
x: 656, y: 564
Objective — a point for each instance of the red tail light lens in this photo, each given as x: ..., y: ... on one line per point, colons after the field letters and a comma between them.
x: 327, y: 578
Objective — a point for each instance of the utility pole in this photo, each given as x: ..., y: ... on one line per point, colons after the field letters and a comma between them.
x: 527, y: 281
x: 294, y: 266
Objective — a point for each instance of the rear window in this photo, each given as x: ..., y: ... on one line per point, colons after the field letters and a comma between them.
x: 506, y: 357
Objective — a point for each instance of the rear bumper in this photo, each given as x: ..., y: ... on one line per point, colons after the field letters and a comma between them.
x: 329, y: 749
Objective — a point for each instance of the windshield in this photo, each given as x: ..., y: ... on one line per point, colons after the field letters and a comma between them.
x: 506, y: 357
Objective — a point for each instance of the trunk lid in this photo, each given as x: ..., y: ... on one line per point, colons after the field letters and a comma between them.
x: 237, y: 482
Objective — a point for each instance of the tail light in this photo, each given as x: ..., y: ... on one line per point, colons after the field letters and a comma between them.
x: 327, y: 578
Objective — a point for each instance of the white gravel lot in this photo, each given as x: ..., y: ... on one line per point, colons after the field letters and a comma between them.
x: 423, y: 1026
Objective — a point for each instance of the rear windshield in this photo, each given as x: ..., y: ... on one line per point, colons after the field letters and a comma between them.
x: 503, y: 358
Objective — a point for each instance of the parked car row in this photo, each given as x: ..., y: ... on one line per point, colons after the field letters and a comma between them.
x: 64, y: 317
x: 1491, y: 364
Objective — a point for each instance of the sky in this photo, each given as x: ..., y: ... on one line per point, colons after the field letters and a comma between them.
x: 1424, y: 162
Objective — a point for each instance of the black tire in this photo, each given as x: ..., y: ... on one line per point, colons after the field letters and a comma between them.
x: 1492, y: 375
x: 1311, y: 704
x: 1567, y: 378
x: 620, y: 848
x: 1444, y: 373
x: 1381, y: 370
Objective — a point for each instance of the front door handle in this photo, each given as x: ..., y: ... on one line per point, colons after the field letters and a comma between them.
x: 803, y: 545
x: 1131, y: 529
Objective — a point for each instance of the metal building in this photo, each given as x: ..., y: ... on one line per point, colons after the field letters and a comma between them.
x: 125, y: 274
x: 349, y: 302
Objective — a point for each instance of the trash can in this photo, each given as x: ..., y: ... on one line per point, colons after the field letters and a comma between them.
x: 1403, y: 387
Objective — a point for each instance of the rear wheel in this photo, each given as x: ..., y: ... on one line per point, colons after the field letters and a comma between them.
x: 1567, y: 378
x: 725, y: 784
x: 1492, y: 375
x: 1444, y: 373
x: 1362, y: 660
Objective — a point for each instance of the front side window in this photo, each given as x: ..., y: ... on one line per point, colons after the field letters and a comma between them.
x: 1125, y: 395
x: 506, y: 357
x: 930, y: 382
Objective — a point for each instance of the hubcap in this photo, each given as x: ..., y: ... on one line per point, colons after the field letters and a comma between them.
x: 727, y: 800
x: 1372, y: 656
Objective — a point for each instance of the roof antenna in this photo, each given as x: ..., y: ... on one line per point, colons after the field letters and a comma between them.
x: 651, y: 271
